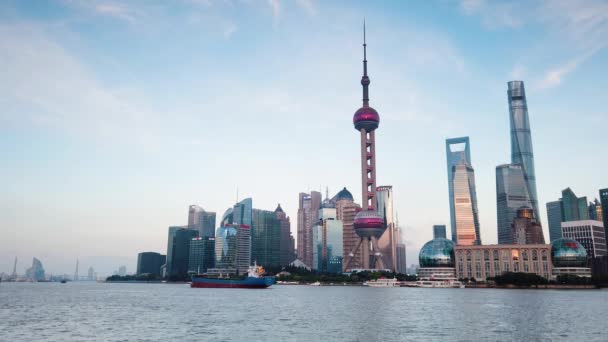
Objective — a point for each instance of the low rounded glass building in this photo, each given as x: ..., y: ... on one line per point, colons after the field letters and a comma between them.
x: 568, y: 253
x: 437, y: 253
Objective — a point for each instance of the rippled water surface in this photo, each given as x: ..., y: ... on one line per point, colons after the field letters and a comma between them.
x: 168, y: 312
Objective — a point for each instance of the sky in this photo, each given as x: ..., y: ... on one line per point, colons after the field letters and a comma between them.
x: 117, y: 115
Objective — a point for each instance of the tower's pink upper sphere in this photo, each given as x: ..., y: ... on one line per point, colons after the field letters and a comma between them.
x: 366, y: 117
x: 369, y: 223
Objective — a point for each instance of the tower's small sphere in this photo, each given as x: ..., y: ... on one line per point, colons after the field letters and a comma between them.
x: 568, y: 253
x: 369, y: 223
x: 367, y: 118
x: 437, y: 253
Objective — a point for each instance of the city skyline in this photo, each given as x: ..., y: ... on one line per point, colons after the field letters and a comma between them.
x: 107, y: 144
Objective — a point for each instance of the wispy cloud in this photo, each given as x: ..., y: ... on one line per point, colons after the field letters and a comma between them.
x: 308, y: 6
x: 117, y: 10
x: 554, y: 76
x: 275, y: 6
x: 493, y: 14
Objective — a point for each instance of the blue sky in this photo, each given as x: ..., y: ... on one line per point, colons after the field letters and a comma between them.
x: 118, y: 115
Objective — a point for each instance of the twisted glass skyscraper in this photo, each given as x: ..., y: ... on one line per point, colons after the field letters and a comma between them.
x: 521, y: 139
x: 516, y: 182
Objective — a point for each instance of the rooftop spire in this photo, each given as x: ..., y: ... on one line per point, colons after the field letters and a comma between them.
x: 365, y: 79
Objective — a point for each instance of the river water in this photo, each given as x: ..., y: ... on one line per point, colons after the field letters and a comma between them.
x: 170, y: 312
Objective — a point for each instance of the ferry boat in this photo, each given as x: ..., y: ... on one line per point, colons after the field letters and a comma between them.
x: 442, y: 280
x: 255, y: 280
x: 383, y: 282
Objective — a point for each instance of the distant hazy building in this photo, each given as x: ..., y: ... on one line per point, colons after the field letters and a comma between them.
x: 401, y: 258
x: 36, y: 272
x: 308, y: 206
x: 457, y: 151
x: 202, y: 254
x: 287, y: 245
x: 439, y: 231
x: 201, y: 221
x: 387, y: 242
x: 149, y: 263
x: 482, y: 262
x: 525, y: 230
x: 122, y: 271
x: 92, y: 276
x: 466, y: 215
x: 265, y: 238
x: 178, y: 251
x: 588, y: 233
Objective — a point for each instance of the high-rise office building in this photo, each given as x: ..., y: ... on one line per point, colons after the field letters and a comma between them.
x: 149, y: 263
x: 243, y: 248
x: 287, y: 241
x: 595, y: 211
x: 554, y: 219
x: 202, y: 255
x: 346, y: 210
x: 439, y: 231
x: 178, y: 251
x: 511, y: 194
x: 568, y: 208
x: 521, y: 139
x: 573, y: 207
x: 265, y: 238
x: 588, y: 233
x: 242, y: 211
x: 466, y: 215
x: 387, y: 242
x: 328, y: 239
x: 226, y: 247
x: 92, y: 276
x: 604, y: 204
x: 201, y: 221
x: 457, y: 151
x: 308, y: 207
x: 401, y: 258
x: 525, y: 230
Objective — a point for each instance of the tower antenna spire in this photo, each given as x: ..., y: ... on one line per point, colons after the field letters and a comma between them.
x: 365, y: 79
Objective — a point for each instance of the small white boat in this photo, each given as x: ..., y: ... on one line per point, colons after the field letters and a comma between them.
x: 316, y: 283
x: 383, y: 282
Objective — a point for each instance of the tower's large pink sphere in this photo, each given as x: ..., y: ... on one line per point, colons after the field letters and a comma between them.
x: 366, y: 117
x: 369, y: 223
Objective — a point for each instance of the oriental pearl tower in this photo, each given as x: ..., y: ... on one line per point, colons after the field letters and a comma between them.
x: 369, y: 224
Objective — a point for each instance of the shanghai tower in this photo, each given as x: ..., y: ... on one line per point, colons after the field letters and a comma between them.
x: 521, y: 139
x: 516, y: 182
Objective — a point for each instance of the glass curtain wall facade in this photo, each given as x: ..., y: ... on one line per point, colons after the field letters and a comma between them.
x: 554, y: 219
x: 201, y: 221
x: 511, y: 194
x: 265, y: 238
x: 439, y: 231
x: 226, y: 247
x: 386, y: 243
x: 466, y: 229
x: 202, y: 255
x: 521, y: 140
x: 574, y: 208
x: 457, y: 151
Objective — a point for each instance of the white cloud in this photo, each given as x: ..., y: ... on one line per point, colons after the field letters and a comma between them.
x: 229, y: 30
x: 275, y: 6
